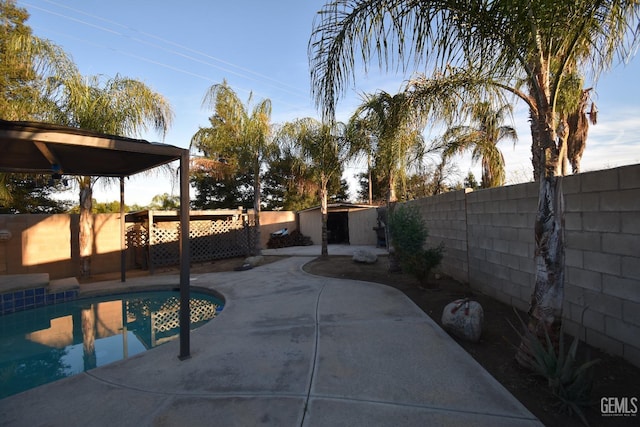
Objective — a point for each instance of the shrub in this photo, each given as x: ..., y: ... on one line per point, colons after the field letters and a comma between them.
x: 408, y: 236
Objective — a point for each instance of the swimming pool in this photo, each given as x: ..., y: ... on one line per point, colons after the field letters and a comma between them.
x: 56, y: 341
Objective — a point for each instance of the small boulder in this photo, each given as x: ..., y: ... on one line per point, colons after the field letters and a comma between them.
x: 254, y: 261
x: 364, y: 257
x: 463, y: 318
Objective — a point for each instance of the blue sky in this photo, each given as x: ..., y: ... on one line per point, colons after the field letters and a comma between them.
x: 181, y: 48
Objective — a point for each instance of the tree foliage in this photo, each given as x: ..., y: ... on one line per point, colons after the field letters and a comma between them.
x: 319, y: 151
x: 26, y: 64
x: 222, y: 192
x: 32, y: 194
x: 237, y: 140
x: 481, y: 137
x: 389, y: 129
x: 165, y: 201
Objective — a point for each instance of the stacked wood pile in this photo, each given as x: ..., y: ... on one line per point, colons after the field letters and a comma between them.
x: 295, y: 238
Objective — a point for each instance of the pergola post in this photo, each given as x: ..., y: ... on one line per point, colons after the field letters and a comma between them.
x: 123, y: 257
x: 185, y: 258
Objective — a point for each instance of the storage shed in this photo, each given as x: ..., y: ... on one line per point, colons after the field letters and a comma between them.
x: 347, y: 223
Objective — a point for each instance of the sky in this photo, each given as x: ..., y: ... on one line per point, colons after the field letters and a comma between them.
x: 180, y: 49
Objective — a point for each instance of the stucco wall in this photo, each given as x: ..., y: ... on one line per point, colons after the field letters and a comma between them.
x: 311, y: 225
x: 271, y: 221
x: 49, y: 243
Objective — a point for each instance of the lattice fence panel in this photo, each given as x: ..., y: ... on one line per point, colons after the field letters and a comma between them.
x: 166, y: 321
x: 209, y: 240
x: 165, y: 247
x: 137, y: 241
x: 200, y: 240
x: 228, y: 239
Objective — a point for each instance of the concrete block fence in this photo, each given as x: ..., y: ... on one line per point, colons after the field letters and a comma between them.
x: 489, y: 240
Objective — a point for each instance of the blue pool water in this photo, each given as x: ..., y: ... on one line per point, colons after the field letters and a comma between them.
x: 55, y: 341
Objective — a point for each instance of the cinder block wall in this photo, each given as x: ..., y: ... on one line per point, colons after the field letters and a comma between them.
x: 489, y: 242
x: 501, y: 242
x: 603, y: 259
x: 446, y: 220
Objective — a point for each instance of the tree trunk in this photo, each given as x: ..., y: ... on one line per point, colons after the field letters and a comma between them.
x: 545, y: 312
x: 391, y: 190
x: 86, y: 226
x: 257, y: 250
x: 537, y: 159
x: 394, y: 261
x: 88, y: 316
x: 563, y: 137
x: 325, y: 214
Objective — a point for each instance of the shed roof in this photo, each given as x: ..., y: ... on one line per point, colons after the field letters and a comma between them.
x: 340, y: 206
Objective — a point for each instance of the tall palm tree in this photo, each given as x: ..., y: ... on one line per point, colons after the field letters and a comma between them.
x: 479, y: 44
x: 116, y: 106
x: 238, y: 138
x: 482, y: 137
x: 323, y: 149
x: 389, y: 128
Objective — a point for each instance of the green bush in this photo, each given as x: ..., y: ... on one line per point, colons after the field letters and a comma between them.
x: 408, y: 236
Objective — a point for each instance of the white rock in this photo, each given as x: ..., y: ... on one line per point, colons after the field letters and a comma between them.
x: 254, y: 261
x: 463, y: 318
x: 364, y: 256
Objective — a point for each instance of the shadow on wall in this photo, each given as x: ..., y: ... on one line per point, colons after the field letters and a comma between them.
x: 49, y: 243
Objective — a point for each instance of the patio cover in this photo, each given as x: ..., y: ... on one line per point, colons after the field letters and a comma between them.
x: 33, y: 147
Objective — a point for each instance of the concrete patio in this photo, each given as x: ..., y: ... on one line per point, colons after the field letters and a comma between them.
x: 289, y: 349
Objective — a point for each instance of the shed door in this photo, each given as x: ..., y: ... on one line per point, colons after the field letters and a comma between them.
x: 338, y: 227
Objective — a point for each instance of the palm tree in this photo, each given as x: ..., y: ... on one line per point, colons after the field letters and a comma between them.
x: 322, y: 150
x: 115, y: 106
x: 389, y: 128
x: 482, y: 137
x: 238, y: 139
x: 479, y: 46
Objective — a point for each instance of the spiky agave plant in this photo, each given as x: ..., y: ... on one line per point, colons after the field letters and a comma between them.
x: 568, y: 381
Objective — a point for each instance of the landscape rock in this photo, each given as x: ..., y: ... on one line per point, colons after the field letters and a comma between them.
x: 364, y: 257
x: 254, y: 261
x: 463, y: 318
